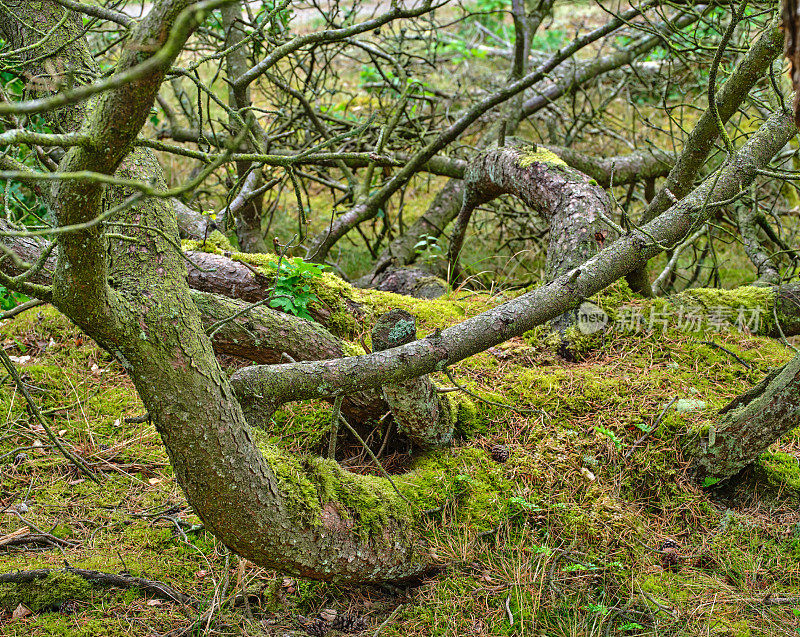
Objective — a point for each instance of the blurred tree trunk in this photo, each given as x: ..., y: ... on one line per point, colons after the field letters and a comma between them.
x: 248, y: 216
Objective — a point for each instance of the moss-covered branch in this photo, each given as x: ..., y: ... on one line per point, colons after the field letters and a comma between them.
x: 513, y: 318
x: 748, y: 426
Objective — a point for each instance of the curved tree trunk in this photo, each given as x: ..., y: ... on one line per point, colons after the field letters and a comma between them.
x: 514, y: 317
x: 312, y: 518
x: 574, y: 205
x: 572, y: 202
x: 625, y: 169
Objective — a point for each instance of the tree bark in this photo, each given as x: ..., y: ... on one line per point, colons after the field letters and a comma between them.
x: 263, y: 335
x: 321, y: 244
x: 132, y: 298
x: 419, y: 411
x: 748, y: 426
x: 192, y: 224
x: 625, y: 169
x: 748, y: 222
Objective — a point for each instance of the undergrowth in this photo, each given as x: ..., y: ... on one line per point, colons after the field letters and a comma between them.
x: 564, y: 538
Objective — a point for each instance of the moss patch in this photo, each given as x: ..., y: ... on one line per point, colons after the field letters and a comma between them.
x: 45, y: 593
x: 530, y: 155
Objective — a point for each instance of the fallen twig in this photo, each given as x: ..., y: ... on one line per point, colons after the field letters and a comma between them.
x: 727, y: 351
x: 459, y: 386
x: 652, y: 428
x: 157, y: 589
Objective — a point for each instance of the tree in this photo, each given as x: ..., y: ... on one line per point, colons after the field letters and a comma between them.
x: 119, y: 275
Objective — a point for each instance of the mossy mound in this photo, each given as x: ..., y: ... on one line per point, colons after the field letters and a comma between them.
x: 46, y: 593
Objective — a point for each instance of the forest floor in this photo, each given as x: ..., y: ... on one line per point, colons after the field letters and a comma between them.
x: 589, y: 528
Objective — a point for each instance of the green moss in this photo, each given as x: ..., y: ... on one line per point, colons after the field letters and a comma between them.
x: 334, y: 294
x: 476, y: 487
x: 44, y: 593
x: 614, y: 296
x: 538, y: 498
x: 310, y: 483
x: 727, y: 628
x: 45, y: 320
x: 781, y: 470
x: 573, y: 339
x: 576, y: 341
x: 352, y: 349
x: 219, y: 240
x: 465, y: 476
x: 342, y: 324
x: 467, y: 419
x: 537, y: 154
x: 430, y: 287
x: 731, y: 302
x: 666, y: 587
x: 215, y: 243
x: 302, y: 429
